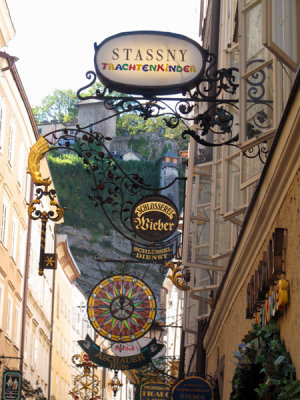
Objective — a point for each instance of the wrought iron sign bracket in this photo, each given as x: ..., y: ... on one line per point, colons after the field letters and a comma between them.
x: 209, y: 89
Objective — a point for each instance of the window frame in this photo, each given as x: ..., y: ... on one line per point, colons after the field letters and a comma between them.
x: 246, y: 143
x: 11, y: 143
x: 17, y: 330
x: 9, y: 314
x: 5, y: 212
x: 22, y: 250
x: 14, y: 238
x: 2, y: 122
x: 21, y: 165
x: 267, y: 35
x: 1, y: 302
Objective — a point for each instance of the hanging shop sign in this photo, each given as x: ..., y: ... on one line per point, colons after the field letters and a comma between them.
x: 154, y: 391
x: 133, y: 348
x: 149, y: 62
x: 154, y: 218
x: 11, y: 385
x: 153, y: 255
x: 121, y: 308
x: 267, y: 291
x: 120, y: 363
x: 193, y: 387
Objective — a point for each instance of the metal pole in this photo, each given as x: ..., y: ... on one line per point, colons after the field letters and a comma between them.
x: 25, y: 287
x: 51, y: 323
x: 43, y: 243
x: 182, y: 356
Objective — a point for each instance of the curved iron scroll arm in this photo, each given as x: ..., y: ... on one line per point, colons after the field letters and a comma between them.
x: 209, y: 89
x: 112, y: 188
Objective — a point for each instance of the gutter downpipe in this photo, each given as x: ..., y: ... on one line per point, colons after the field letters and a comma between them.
x: 25, y: 287
x: 51, y: 322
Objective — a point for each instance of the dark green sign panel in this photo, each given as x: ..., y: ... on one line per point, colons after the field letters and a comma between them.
x: 192, y: 388
x: 120, y: 363
x: 11, y: 385
x: 154, y: 391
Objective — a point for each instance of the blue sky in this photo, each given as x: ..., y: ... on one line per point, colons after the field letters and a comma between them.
x: 55, y: 38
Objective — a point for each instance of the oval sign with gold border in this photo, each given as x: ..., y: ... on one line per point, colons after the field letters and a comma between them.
x: 154, y: 218
x: 149, y: 62
x: 192, y: 387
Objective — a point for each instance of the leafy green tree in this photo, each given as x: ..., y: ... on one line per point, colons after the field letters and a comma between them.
x: 133, y: 124
x: 61, y: 105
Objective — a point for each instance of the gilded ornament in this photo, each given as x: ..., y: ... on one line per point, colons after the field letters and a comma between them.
x: 36, y: 153
x: 177, y: 277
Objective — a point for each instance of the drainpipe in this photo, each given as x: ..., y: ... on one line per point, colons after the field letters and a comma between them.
x: 201, y: 353
x: 51, y: 322
x: 182, y: 356
x: 25, y: 287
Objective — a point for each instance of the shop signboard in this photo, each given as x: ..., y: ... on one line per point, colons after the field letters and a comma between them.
x: 153, y: 255
x: 192, y: 387
x: 133, y: 348
x: 105, y: 360
x: 154, y: 391
x: 11, y: 385
x: 154, y: 218
x: 149, y: 62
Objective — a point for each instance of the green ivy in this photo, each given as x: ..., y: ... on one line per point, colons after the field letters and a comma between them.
x: 73, y: 185
x: 264, y: 367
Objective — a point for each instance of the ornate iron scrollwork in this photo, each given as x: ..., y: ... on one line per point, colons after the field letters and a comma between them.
x: 260, y: 150
x: 47, y: 260
x: 112, y: 189
x: 178, y: 278
x: 210, y: 88
x: 259, y: 108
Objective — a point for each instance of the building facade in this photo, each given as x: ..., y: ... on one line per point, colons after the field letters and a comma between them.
x: 238, y: 196
x: 17, y: 134
x: 61, y: 358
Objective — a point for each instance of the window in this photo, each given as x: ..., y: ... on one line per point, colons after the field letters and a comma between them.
x: 11, y: 143
x: 62, y: 346
x: 1, y: 302
x: 28, y: 187
x: 280, y: 34
x: 56, y: 386
x: 57, y: 340
x: 257, y: 91
x: 36, y: 353
x: 21, y: 165
x: 14, y: 236
x: 4, y: 221
x: 26, y: 342
x: 57, y: 302
x: 2, y: 121
x: 9, y: 310
x: 17, y: 330
x: 22, y: 251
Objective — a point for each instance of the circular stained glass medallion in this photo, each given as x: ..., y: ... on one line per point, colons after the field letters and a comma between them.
x: 121, y: 308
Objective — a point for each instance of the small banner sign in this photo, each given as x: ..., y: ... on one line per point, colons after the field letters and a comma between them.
x: 133, y: 348
x: 11, y: 385
x: 49, y: 261
x: 154, y: 391
x: 154, y: 255
x: 119, y: 363
x: 154, y: 218
x: 193, y: 387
